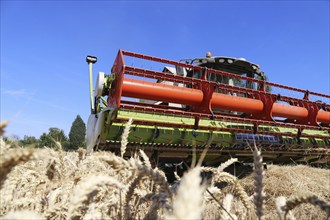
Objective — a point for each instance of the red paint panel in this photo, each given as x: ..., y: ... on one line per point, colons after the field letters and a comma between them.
x: 323, y: 116
x: 161, y: 92
x: 167, y: 93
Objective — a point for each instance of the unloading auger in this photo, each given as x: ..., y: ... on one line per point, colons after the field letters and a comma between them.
x: 222, y: 103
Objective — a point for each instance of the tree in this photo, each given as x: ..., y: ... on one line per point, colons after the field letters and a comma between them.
x: 45, y: 140
x: 29, y: 140
x: 77, y: 133
x: 54, y: 134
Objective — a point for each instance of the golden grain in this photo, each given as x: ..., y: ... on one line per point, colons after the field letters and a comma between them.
x: 11, y: 159
x: 72, y: 185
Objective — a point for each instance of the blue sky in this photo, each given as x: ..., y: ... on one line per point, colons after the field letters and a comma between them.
x: 44, y: 76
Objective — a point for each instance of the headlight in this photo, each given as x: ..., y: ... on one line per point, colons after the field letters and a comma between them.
x: 230, y: 61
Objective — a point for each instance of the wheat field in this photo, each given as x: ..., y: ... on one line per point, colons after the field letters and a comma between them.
x: 54, y: 184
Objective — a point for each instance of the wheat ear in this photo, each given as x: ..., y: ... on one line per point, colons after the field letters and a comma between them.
x: 128, y: 196
x: 281, y: 202
x: 314, y: 200
x: 259, y: 194
x: 11, y: 159
x: 157, y: 177
x: 220, y: 168
x: 118, y: 163
x: 3, y: 125
x: 238, y: 189
x: 188, y: 202
x: 51, y: 170
x: 124, y: 137
x: 145, y: 158
x: 60, y: 151
x: 226, y: 204
x: 226, y: 164
x: 177, y: 177
x: 81, y: 154
x: 85, y: 192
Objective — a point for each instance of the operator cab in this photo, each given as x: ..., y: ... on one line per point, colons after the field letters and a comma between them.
x: 239, y: 66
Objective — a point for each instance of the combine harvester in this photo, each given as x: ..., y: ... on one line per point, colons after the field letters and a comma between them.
x: 224, y: 104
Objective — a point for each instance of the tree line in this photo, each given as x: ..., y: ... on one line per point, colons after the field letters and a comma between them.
x: 75, y: 139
